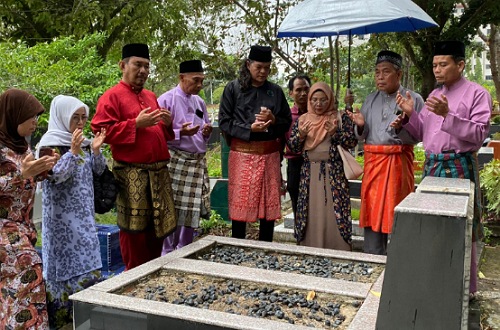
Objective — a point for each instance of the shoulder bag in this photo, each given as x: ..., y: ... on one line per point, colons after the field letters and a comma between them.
x: 105, y: 191
x: 352, y: 169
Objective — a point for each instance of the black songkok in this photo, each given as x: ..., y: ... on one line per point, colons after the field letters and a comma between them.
x: 139, y: 50
x: 260, y: 53
x: 451, y: 47
x: 391, y: 57
x: 190, y: 66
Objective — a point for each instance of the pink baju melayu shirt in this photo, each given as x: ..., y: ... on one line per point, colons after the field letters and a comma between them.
x: 465, y: 127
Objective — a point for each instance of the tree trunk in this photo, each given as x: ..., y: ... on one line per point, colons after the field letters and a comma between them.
x: 494, y: 45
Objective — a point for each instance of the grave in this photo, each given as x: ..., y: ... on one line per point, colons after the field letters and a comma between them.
x: 139, y: 298
x: 426, y: 281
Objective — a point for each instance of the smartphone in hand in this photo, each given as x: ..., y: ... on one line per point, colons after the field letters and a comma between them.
x: 45, y: 151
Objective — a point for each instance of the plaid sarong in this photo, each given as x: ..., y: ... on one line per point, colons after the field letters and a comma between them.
x: 191, y: 187
x: 461, y: 166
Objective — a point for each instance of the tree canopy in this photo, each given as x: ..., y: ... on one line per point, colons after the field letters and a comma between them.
x: 220, y: 33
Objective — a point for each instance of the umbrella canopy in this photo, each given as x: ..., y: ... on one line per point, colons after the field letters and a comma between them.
x: 318, y: 18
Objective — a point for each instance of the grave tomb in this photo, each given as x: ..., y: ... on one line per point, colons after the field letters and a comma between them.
x: 182, y: 290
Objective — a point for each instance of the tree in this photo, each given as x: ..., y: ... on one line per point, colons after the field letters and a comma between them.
x: 258, y: 21
x: 492, y: 40
x: 220, y: 33
x: 419, y: 45
x: 122, y: 21
x: 64, y: 66
x: 241, y: 23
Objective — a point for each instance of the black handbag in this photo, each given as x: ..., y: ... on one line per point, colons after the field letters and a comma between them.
x: 105, y: 191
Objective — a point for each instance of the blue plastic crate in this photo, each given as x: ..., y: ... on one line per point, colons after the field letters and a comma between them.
x: 109, y: 241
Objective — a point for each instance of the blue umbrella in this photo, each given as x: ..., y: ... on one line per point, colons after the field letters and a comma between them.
x: 318, y: 18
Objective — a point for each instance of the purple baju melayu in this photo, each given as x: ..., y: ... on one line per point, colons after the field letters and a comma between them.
x: 188, y: 169
x: 458, y: 135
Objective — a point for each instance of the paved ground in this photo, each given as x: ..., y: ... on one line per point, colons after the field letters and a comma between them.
x: 488, y: 298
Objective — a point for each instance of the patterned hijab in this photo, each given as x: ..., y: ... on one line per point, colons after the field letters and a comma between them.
x: 318, y: 133
x: 62, y: 109
x: 16, y: 107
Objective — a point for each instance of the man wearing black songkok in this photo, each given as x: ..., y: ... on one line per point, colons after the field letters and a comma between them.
x: 452, y: 126
x: 137, y: 130
x: 254, y: 116
x: 388, y: 171
x: 188, y: 165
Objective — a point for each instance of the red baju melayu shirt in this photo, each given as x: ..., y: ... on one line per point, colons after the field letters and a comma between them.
x: 116, y: 111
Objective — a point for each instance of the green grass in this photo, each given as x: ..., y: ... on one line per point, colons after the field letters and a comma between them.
x: 355, y: 214
x: 108, y: 218
x: 214, y: 163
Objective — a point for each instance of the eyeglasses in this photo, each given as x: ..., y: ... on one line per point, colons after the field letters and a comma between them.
x: 36, y: 117
x: 77, y: 119
x: 321, y: 101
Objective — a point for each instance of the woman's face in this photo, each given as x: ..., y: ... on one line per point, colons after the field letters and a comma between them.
x: 319, y: 102
x: 28, y: 127
x: 78, y: 120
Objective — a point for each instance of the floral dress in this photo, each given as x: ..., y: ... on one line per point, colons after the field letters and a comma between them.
x: 333, y: 171
x: 22, y: 291
x: 71, y: 251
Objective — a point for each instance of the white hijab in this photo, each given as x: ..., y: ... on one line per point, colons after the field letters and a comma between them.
x: 62, y: 109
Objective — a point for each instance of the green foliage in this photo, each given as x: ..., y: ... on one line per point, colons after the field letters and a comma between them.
x: 361, y: 160
x: 487, y: 232
x: 355, y: 214
x: 490, y: 185
x: 215, y: 222
x: 496, y: 120
x: 217, y: 94
x: 214, y: 162
x: 419, y: 153
x: 108, y: 218
x: 64, y: 66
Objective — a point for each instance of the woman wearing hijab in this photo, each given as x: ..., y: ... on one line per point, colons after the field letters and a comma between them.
x: 324, y: 208
x: 71, y: 252
x: 22, y: 294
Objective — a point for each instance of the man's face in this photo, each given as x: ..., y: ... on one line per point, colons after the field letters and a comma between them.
x: 446, y: 71
x: 135, y: 71
x: 387, y: 77
x: 259, y: 71
x: 299, y: 92
x: 191, y: 83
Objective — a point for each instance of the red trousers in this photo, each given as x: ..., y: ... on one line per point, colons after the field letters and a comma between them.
x: 139, y: 248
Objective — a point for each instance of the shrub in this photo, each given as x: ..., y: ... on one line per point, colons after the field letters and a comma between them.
x: 214, y: 162
x: 215, y: 222
x: 490, y: 185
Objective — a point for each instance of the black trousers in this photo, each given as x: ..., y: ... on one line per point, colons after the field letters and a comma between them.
x: 293, y: 179
x: 266, y: 230
x: 374, y: 242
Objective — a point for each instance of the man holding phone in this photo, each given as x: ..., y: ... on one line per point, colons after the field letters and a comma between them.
x: 188, y: 166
